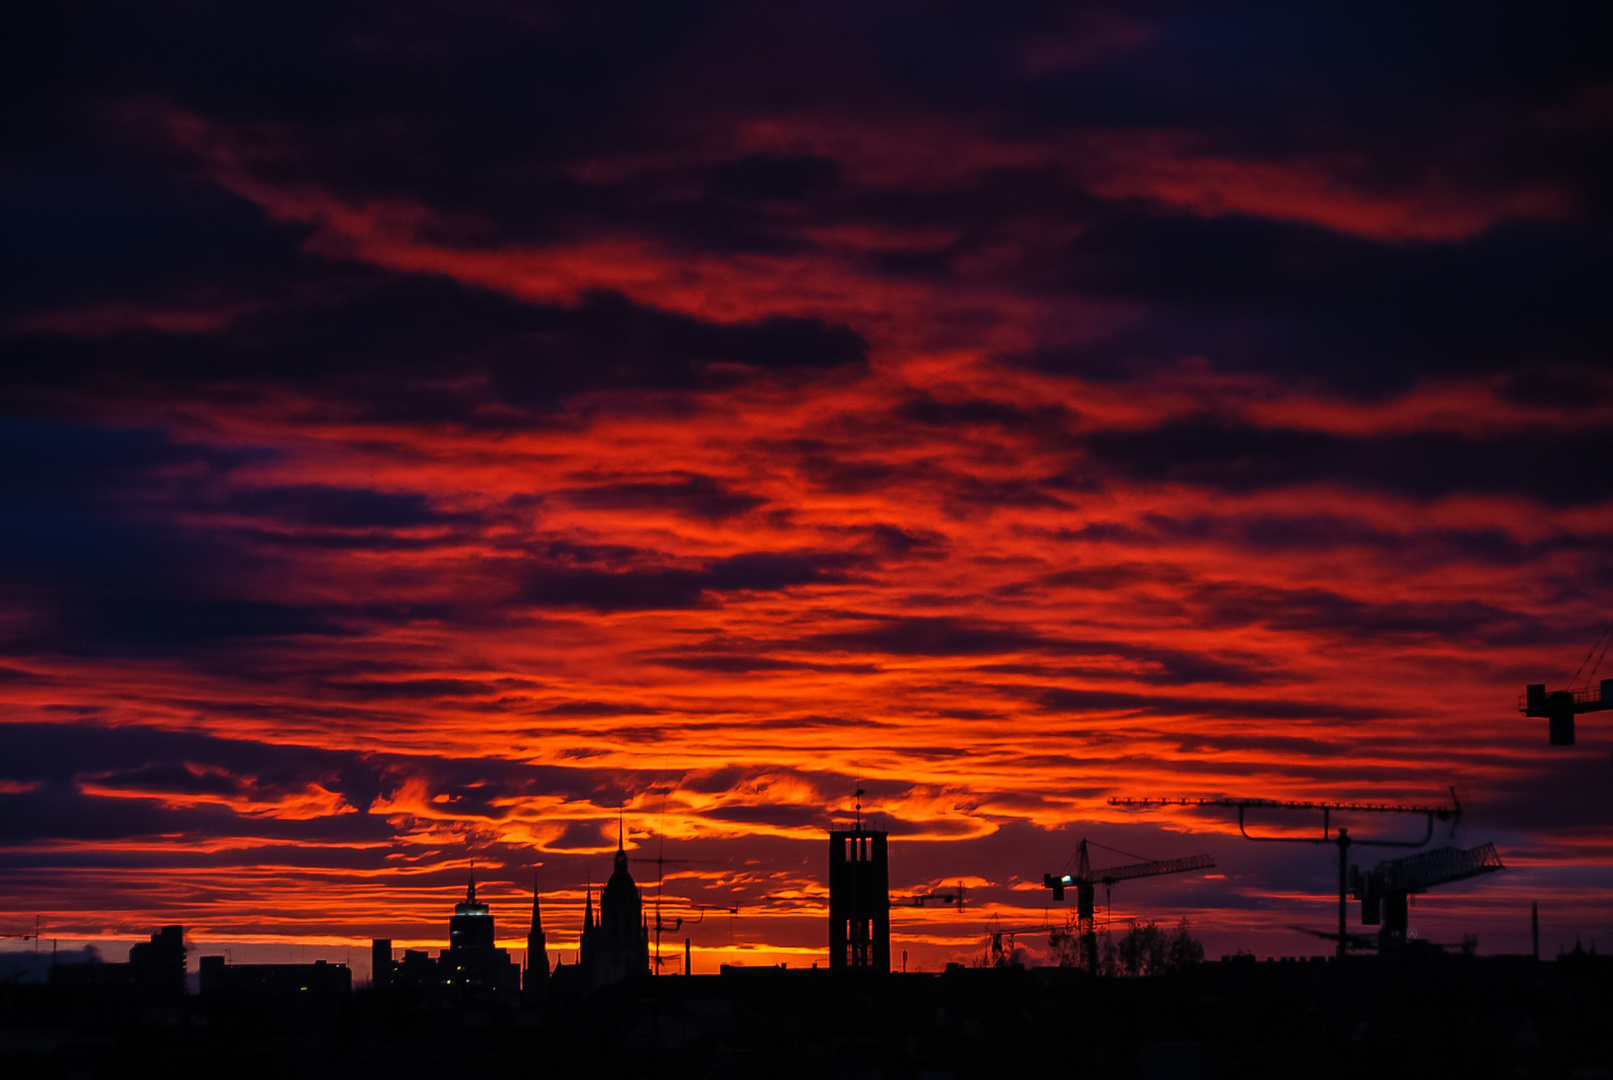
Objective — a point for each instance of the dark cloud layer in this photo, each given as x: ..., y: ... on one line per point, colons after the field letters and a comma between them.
x: 424, y: 351
x: 146, y: 761
x: 700, y: 497
x: 1371, y: 317
x: 633, y: 589
x: 1239, y: 457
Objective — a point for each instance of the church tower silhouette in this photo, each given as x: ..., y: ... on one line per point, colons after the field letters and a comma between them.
x: 537, y: 950
x: 617, y: 948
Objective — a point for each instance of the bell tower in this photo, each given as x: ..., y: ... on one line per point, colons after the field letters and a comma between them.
x: 859, y: 900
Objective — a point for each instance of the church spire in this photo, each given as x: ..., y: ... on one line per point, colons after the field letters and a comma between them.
x: 537, y: 949
x: 588, y: 910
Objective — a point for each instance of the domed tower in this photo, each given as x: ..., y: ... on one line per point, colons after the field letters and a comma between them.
x: 617, y: 948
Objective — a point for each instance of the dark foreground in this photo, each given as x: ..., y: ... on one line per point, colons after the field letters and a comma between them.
x: 1441, y: 1016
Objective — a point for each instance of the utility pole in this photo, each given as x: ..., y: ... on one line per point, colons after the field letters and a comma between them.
x: 1344, y: 881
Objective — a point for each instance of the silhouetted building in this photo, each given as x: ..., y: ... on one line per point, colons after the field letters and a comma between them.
x: 160, y: 962
x: 156, y: 966
x: 617, y: 948
x: 381, y: 963
x: 317, y: 979
x: 417, y: 971
x: 537, y: 951
x: 473, y: 961
x: 859, y: 900
x: 471, y: 926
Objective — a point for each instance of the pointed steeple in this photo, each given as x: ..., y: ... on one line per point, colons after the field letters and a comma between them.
x: 588, y: 909
x: 537, y: 949
x: 470, y: 890
x: 537, y: 921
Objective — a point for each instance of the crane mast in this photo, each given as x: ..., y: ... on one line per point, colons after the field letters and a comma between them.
x: 1385, y: 893
x: 1085, y: 881
x: 1559, y: 707
x: 1339, y: 837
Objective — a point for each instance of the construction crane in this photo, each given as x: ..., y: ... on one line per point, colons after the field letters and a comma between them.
x: 1339, y: 837
x: 1385, y: 893
x: 1085, y: 879
x: 996, y: 931
x: 1559, y: 707
x: 34, y: 937
x: 944, y: 897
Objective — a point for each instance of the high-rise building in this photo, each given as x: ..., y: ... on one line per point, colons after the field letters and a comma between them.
x: 859, y: 900
x: 381, y: 963
x: 473, y: 961
x: 471, y: 926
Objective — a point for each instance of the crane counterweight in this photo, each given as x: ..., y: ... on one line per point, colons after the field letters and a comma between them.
x: 1559, y: 707
x: 1385, y: 893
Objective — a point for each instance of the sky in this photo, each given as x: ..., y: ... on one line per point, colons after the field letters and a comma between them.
x: 435, y: 435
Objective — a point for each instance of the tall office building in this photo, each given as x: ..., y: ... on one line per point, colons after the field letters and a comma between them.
x: 473, y: 961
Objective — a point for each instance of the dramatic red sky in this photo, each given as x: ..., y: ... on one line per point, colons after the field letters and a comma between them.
x: 430, y: 432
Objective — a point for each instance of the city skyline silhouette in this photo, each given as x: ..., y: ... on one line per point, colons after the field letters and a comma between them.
x: 440, y: 436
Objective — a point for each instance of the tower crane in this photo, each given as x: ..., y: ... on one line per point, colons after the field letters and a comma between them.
x: 1559, y: 707
x: 34, y: 937
x: 996, y: 931
x: 942, y: 896
x: 1385, y: 892
x: 1339, y: 837
x: 1085, y: 879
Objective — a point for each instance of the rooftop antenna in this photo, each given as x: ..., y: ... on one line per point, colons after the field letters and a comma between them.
x: 860, y: 794
x: 660, y: 861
